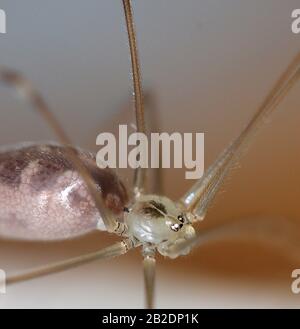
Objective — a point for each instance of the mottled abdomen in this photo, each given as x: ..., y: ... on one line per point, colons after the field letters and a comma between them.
x: 42, y: 197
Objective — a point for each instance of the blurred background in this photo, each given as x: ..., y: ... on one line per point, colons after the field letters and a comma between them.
x: 208, y: 64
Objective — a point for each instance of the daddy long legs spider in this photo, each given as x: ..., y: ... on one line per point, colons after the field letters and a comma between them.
x: 276, y: 94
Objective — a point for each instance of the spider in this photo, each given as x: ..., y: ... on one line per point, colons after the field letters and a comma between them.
x: 89, y: 198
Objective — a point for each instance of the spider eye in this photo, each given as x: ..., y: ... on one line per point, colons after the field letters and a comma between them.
x: 176, y: 227
x: 181, y: 218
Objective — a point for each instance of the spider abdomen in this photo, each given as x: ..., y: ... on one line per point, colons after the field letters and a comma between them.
x: 42, y: 196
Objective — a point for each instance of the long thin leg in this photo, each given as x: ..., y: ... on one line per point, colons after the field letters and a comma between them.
x: 200, y: 196
x: 278, y: 233
x: 149, y: 274
x: 149, y: 279
x: 24, y: 86
x: 140, y: 173
x: 114, y: 250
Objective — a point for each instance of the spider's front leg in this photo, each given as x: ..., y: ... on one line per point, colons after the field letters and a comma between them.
x: 197, y: 200
x: 199, y: 197
x: 149, y: 263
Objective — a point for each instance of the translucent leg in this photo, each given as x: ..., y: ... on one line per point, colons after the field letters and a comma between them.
x: 140, y: 173
x: 114, y: 250
x: 278, y: 233
x: 149, y: 275
x: 202, y: 193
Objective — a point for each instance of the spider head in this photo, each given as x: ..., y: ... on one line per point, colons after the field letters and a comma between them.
x: 159, y: 221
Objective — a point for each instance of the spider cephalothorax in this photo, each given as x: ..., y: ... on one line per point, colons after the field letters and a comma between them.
x: 159, y: 221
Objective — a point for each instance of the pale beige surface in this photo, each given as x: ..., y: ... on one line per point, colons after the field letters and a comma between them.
x: 209, y: 63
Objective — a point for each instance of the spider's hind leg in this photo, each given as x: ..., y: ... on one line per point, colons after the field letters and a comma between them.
x: 114, y: 250
x: 33, y: 96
